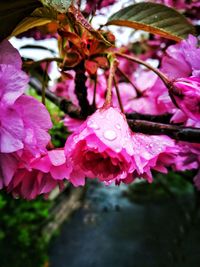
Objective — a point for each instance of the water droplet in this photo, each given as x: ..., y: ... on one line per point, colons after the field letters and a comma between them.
x: 118, y: 126
x: 108, y: 116
x: 118, y: 149
x: 151, y: 145
x: 110, y: 135
x: 93, y: 125
x: 76, y: 139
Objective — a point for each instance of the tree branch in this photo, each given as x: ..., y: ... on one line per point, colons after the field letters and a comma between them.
x: 141, y: 125
x: 179, y: 133
x: 81, y: 90
x: 164, y: 118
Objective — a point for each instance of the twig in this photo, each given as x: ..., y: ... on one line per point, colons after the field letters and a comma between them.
x: 113, y: 65
x: 138, y: 92
x: 180, y: 133
x: 118, y: 96
x: 162, y: 76
x: 81, y: 90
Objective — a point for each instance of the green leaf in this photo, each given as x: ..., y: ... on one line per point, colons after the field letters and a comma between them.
x: 39, y: 17
x: 153, y: 18
x: 59, y: 5
x: 12, y: 12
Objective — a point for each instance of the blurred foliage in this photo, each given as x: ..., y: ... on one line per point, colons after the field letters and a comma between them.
x: 164, y: 186
x: 21, y: 240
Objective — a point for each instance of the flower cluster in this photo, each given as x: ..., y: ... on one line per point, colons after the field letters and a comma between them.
x: 101, y: 144
x: 24, y: 125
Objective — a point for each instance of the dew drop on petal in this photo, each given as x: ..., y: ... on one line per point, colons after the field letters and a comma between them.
x: 118, y: 149
x: 118, y: 126
x: 75, y: 139
x: 110, y: 135
x: 93, y: 125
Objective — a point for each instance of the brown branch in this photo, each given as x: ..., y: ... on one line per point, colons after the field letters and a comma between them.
x: 81, y: 90
x: 141, y: 125
x: 164, y: 118
x: 179, y: 133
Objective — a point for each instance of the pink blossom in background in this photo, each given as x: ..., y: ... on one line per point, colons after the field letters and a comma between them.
x: 186, y: 93
x: 179, y: 4
x: 93, y: 5
x: 66, y: 88
x: 72, y: 124
x: 188, y: 158
x: 182, y: 59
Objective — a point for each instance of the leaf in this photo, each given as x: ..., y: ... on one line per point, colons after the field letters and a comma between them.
x: 12, y: 12
x: 59, y: 5
x: 39, y: 17
x: 153, y: 18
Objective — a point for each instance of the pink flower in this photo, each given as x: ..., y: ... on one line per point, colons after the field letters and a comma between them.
x: 104, y: 148
x: 100, y: 148
x: 186, y: 93
x: 25, y: 124
x: 150, y: 152
x: 72, y: 124
x: 37, y: 176
x: 13, y: 81
x: 9, y: 55
x: 36, y: 121
x: 54, y: 162
x: 92, y: 5
x: 182, y: 59
x: 66, y: 88
x: 8, y: 166
x: 11, y: 130
x: 188, y: 157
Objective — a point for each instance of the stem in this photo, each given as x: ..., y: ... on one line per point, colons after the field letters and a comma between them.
x: 118, y: 96
x: 129, y: 80
x: 164, y: 118
x: 113, y: 65
x: 44, y: 84
x: 95, y: 91
x: 179, y: 133
x: 32, y: 64
x: 81, y: 90
x: 160, y: 74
